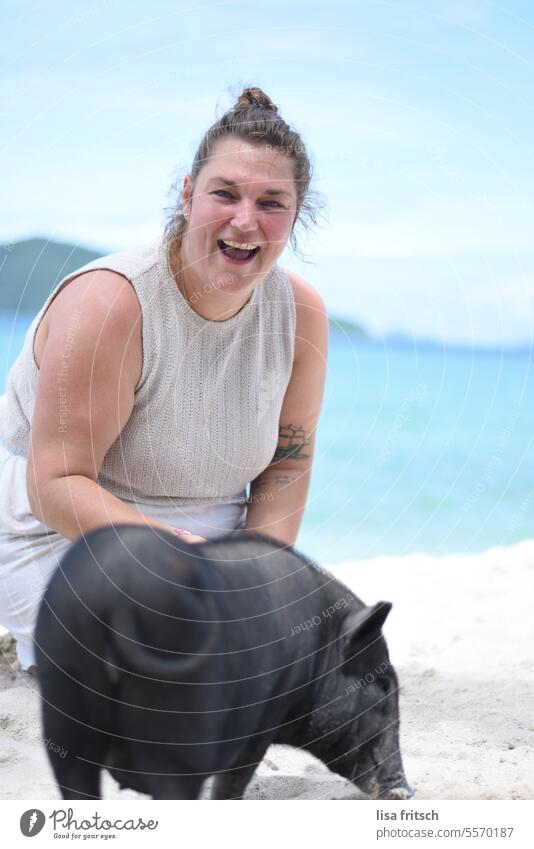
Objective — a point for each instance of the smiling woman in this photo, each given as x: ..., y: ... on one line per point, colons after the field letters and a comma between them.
x: 234, y: 235
x: 250, y: 183
x: 159, y: 385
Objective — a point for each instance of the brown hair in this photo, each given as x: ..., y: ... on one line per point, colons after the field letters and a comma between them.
x: 254, y: 118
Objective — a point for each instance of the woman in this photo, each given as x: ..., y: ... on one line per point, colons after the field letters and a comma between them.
x: 160, y: 382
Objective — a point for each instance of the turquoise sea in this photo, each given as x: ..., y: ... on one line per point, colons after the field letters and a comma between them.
x: 419, y: 448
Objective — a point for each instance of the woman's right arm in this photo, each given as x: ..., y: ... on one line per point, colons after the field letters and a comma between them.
x: 89, y: 367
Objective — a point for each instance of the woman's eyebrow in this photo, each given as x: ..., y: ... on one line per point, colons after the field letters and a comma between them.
x: 236, y: 186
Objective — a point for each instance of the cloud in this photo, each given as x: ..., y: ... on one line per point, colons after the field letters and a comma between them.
x: 439, y: 226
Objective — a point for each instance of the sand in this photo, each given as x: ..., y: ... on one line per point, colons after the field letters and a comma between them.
x: 461, y: 636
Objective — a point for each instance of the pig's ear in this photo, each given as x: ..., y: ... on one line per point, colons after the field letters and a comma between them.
x: 367, y: 622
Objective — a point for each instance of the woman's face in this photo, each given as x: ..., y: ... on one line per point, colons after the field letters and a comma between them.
x: 241, y: 212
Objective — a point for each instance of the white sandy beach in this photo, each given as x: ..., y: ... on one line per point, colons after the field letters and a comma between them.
x: 461, y: 636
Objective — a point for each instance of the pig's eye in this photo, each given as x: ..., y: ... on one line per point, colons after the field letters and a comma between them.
x: 383, y: 685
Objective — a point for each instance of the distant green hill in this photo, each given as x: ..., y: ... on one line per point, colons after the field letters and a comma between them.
x: 30, y: 269
x: 347, y: 327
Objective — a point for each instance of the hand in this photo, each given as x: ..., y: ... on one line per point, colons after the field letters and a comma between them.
x: 187, y: 536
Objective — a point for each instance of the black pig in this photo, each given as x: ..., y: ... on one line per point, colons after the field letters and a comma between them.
x: 167, y: 663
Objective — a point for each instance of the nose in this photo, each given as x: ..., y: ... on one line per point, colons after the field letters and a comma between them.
x: 402, y: 791
x: 244, y: 218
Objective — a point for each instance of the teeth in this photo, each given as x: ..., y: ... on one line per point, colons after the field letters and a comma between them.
x: 244, y: 246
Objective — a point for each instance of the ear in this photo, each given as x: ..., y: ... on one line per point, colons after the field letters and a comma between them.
x: 360, y: 627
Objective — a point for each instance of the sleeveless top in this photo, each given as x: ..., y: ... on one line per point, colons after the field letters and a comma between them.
x: 206, y: 411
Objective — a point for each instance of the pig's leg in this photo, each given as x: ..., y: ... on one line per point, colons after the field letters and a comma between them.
x: 77, y: 779
x: 176, y: 787
x: 232, y: 784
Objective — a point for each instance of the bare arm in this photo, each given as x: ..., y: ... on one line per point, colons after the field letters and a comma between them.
x: 278, y: 496
x: 89, y: 366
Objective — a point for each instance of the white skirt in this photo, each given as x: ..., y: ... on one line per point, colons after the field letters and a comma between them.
x: 30, y: 552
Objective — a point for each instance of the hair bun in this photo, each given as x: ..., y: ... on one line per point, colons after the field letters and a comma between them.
x: 254, y: 97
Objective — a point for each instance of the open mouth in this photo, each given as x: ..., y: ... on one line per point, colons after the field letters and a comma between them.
x: 236, y: 252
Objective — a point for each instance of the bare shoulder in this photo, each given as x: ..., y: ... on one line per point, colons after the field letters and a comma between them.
x: 312, y: 320
x: 98, y: 290
x: 106, y: 299
x: 306, y: 297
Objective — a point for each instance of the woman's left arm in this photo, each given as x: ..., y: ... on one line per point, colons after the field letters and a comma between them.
x: 278, y: 496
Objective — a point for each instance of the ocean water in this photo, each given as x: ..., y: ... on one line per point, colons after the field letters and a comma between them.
x: 419, y: 448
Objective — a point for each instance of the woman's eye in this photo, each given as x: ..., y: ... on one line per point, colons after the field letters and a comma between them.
x: 271, y: 204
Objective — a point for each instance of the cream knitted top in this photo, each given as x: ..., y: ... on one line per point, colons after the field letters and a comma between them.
x: 206, y: 412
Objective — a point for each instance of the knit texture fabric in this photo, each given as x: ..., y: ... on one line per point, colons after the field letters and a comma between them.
x: 206, y: 413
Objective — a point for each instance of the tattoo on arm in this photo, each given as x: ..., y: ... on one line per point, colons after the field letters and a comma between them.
x: 269, y: 478
x: 292, y: 444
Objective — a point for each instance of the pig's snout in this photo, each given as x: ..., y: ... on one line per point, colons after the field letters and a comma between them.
x: 388, y: 788
x: 403, y: 791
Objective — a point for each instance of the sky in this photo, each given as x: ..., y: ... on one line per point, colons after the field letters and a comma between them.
x: 419, y: 117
